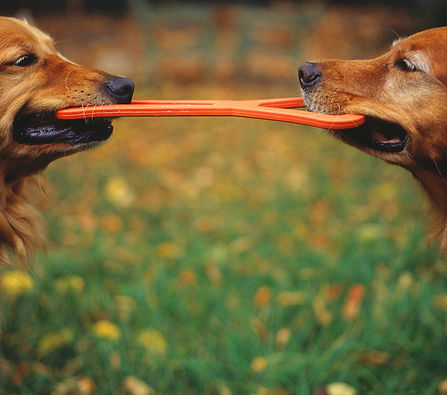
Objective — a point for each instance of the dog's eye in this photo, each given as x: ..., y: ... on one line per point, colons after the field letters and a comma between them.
x: 406, y: 65
x: 24, y: 60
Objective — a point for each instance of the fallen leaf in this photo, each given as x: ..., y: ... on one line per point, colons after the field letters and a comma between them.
x: 5, y: 366
x: 353, y: 300
x: 115, y: 360
x: 318, y: 213
x: 136, y: 386
x: 23, y: 368
x: 224, y: 390
x: 375, y: 357
x: 259, y: 328
x: 333, y: 292
x: 324, y: 316
x: 406, y: 282
x: 188, y: 277
x: 86, y: 385
x: 112, y: 223
x: 283, y: 337
x: 440, y: 301
x: 262, y: 296
x: 213, y: 273
x: 124, y: 306
x: 442, y: 387
x: 168, y: 250
x: 295, y: 298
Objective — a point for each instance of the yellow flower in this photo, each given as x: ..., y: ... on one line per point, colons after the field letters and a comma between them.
x: 106, y: 330
x: 340, y: 389
x: 73, y: 283
x: 119, y: 192
x: 16, y: 282
x: 259, y: 364
x: 168, y: 250
x: 54, y: 340
x: 153, y: 341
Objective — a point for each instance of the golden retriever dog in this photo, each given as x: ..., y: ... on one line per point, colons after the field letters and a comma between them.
x: 36, y: 81
x: 403, y: 95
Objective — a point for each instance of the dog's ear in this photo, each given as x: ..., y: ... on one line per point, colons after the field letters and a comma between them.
x: 441, y: 74
x: 438, y: 55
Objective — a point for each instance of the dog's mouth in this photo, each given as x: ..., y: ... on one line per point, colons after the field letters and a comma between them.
x: 44, y: 128
x: 376, y: 135
x: 379, y: 135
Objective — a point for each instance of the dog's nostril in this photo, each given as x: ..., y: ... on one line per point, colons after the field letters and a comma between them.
x: 309, y: 74
x: 121, y: 89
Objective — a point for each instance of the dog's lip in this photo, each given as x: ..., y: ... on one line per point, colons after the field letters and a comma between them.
x: 375, y: 133
x: 387, y: 144
x: 43, y: 128
x: 378, y: 134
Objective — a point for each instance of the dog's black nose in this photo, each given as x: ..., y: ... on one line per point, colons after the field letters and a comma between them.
x: 309, y: 74
x: 121, y: 89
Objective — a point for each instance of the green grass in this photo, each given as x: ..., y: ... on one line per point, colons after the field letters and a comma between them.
x: 194, y: 229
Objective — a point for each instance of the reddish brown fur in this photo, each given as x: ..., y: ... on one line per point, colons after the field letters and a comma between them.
x: 51, y: 84
x: 415, y: 100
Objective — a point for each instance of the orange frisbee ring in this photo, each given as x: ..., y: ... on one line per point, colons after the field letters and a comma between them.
x: 281, y: 109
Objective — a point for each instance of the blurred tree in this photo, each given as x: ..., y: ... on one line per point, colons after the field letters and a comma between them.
x: 431, y: 12
x: 36, y: 6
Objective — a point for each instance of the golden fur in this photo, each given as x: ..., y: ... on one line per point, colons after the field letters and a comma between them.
x: 403, y: 94
x: 34, y: 80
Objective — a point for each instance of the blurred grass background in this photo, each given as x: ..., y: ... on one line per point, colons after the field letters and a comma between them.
x: 223, y: 255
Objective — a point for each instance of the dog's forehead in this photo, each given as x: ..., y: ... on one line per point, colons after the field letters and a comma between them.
x: 426, y: 41
x: 15, y: 32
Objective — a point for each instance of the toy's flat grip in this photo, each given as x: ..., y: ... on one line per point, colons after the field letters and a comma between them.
x: 282, y: 109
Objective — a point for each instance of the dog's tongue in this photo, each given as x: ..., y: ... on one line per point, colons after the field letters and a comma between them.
x: 384, y: 139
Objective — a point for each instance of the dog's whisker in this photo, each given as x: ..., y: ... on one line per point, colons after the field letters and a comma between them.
x: 66, y: 79
x: 439, y: 172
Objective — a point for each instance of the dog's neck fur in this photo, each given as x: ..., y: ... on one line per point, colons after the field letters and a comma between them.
x: 22, y: 226
x: 434, y: 182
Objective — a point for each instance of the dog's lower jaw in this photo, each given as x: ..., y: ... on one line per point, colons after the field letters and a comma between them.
x: 15, y: 168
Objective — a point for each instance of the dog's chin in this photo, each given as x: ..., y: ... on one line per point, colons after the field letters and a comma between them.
x: 44, y: 129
